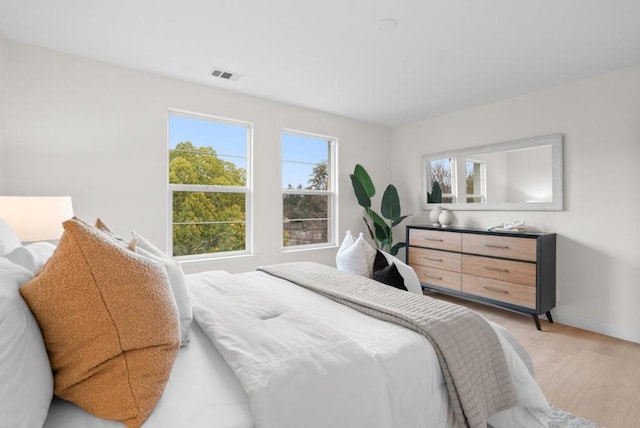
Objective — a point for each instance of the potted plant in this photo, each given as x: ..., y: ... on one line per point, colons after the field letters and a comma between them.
x: 381, y: 225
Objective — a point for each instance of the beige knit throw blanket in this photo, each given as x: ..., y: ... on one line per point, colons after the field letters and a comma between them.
x: 470, y: 354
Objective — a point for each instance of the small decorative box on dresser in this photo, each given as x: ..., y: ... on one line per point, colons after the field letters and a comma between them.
x: 515, y: 270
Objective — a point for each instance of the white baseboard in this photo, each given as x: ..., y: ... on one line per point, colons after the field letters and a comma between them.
x: 620, y: 332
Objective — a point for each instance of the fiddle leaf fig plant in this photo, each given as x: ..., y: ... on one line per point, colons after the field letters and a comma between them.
x: 380, y: 226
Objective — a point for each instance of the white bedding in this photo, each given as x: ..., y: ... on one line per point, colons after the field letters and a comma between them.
x: 395, y: 382
x: 307, y: 361
x: 202, y: 392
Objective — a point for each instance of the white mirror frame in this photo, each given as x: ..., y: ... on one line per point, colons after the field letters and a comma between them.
x: 555, y: 141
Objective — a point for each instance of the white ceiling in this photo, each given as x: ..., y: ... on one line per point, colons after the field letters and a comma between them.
x: 329, y: 55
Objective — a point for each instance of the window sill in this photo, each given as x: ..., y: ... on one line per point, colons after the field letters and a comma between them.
x: 186, y: 260
x: 312, y: 247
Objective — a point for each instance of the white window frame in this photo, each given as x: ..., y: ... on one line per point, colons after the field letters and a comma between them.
x: 454, y: 179
x: 483, y: 181
x: 332, y: 192
x: 427, y: 179
x: 247, y: 190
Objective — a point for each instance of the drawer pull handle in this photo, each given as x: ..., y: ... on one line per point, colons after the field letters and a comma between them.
x: 495, y: 269
x: 433, y: 259
x: 432, y: 276
x: 504, y: 247
x: 497, y: 290
x: 433, y: 239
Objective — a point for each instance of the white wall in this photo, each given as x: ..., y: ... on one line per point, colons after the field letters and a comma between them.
x: 598, y: 273
x: 99, y: 133
x: 497, y: 172
x: 530, y: 173
x: 1, y: 108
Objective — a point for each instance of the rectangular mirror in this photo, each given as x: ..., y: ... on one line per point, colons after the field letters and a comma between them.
x: 520, y: 176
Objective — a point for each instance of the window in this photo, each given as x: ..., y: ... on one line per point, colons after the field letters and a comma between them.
x: 443, y: 171
x: 475, y: 181
x: 209, y: 192
x: 308, y: 190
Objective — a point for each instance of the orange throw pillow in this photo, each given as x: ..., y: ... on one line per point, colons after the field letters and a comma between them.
x: 109, y: 322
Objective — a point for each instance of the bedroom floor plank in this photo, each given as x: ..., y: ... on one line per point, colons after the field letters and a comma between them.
x: 589, y: 374
x: 633, y: 416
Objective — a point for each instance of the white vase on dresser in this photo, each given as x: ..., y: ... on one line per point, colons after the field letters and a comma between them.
x: 434, y: 216
x: 445, y: 218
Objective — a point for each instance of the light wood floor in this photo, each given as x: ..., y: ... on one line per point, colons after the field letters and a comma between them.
x: 590, y: 375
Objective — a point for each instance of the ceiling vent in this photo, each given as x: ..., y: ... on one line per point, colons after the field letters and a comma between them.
x: 225, y: 74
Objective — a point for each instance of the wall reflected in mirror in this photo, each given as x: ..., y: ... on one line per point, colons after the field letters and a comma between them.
x: 519, y: 175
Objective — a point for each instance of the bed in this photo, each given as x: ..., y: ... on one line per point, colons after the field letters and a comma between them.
x: 264, y: 351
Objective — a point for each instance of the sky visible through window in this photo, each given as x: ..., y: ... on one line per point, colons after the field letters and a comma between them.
x: 229, y: 141
x: 300, y: 153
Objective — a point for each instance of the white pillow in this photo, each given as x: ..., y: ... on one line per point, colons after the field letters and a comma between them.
x: 343, y: 262
x: 33, y: 256
x: 26, y: 384
x: 177, y: 280
x: 355, y: 255
x: 411, y: 280
x: 348, y: 240
x: 8, y: 238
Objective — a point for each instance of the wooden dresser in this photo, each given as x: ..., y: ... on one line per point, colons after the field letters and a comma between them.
x: 512, y: 270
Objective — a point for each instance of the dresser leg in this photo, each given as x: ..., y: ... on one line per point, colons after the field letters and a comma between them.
x: 549, y: 317
x: 537, y: 321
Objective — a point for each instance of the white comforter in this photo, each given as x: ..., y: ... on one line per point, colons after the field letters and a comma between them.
x: 306, y: 361
x: 202, y: 392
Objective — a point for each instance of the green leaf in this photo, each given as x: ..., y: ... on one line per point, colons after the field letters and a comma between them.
x: 365, y: 179
x: 399, y: 220
x: 382, y: 236
x: 396, y: 248
x: 377, y: 219
x: 383, y: 231
x: 390, y: 207
x: 361, y: 194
